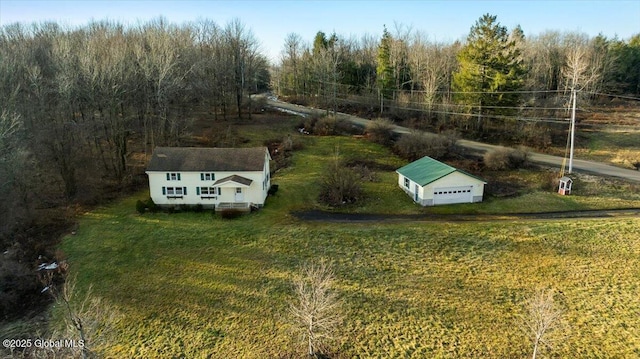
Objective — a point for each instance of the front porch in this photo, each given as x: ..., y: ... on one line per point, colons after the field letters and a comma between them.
x: 235, y: 206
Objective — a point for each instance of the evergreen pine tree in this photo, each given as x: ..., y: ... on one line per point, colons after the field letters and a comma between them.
x: 384, y: 71
x: 320, y: 43
x: 489, y: 71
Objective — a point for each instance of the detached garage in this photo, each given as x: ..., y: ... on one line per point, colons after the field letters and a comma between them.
x: 429, y: 182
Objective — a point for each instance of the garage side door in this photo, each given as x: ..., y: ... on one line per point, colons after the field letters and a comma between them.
x: 448, y: 195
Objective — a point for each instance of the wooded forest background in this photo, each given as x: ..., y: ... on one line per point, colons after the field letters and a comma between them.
x: 496, y: 73
x: 74, y: 101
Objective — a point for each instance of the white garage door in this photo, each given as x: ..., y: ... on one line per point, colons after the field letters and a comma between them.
x: 448, y: 195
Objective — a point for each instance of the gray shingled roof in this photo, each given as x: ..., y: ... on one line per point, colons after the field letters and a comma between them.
x: 234, y: 178
x: 194, y: 159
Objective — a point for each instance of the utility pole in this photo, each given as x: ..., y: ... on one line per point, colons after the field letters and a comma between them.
x: 573, y: 128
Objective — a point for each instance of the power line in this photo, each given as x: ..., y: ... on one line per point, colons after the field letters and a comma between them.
x: 521, y: 108
x: 484, y: 116
x: 615, y: 96
x: 345, y: 97
x: 556, y: 120
x: 484, y: 92
x: 374, y: 90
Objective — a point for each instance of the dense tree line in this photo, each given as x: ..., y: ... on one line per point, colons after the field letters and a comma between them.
x: 72, y: 100
x: 76, y: 102
x: 496, y: 73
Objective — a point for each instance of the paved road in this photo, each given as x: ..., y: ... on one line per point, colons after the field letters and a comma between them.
x: 591, y: 167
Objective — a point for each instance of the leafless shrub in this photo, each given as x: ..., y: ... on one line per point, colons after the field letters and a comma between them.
x: 506, y: 158
x: 340, y: 185
x: 347, y: 128
x: 550, y: 181
x: 417, y: 144
x: 90, y: 322
x: 257, y: 104
x: 380, y: 131
x: 325, y: 126
x: 497, y: 159
x: 316, y: 308
x: 308, y: 124
x: 365, y: 173
x: 536, y: 135
x: 541, y: 318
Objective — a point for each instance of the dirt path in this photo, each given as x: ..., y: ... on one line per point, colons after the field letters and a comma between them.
x: 591, y: 167
x: 323, y: 216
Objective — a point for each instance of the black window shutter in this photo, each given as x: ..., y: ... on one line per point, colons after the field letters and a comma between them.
x: 164, y: 189
x: 184, y: 190
x: 178, y: 176
x: 198, y: 191
x: 168, y: 178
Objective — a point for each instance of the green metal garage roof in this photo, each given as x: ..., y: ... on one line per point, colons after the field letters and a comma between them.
x: 427, y: 170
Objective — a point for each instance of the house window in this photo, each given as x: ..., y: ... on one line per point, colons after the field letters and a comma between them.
x: 207, y: 176
x: 173, y: 176
x: 238, y: 189
x: 207, y: 191
x: 406, y: 182
x: 174, y: 191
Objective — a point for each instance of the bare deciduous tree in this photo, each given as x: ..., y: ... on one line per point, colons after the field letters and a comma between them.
x: 291, y: 54
x: 587, y: 62
x: 242, y: 47
x: 578, y: 71
x: 541, y: 318
x: 428, y: 67
x: 316, y: 309
x: 90, y: 319
x: 13, y: 166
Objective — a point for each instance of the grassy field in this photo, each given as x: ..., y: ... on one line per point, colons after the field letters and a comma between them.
x: 619, y: 147
x: 300, y: 189
x: 299, y: 185
x: 196, y: 286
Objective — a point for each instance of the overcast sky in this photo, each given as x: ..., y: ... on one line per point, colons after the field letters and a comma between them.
x: 271, y: 21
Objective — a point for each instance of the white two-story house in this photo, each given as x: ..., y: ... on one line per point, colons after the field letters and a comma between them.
x: 212, y: 177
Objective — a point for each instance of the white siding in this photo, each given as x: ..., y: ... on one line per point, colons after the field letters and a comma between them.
x: 401, y: 183
x: 454, y: 179
x: 255, y: 193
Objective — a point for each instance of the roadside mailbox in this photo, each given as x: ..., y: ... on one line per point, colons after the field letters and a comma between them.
x: 565, y: 186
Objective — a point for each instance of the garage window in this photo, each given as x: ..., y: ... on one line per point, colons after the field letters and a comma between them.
x: 406, y: 182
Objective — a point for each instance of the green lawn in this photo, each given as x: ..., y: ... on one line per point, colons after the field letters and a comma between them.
x: 299, y: 186
x: 196, y: 286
